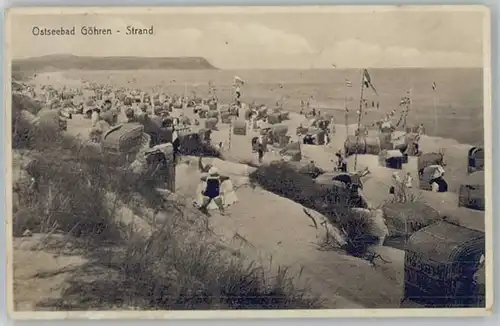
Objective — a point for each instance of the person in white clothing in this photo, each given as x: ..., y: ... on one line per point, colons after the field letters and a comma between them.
x: 408, y: 181
x: 95, y: 117
x: 396, y: 188
x: 438, y: 184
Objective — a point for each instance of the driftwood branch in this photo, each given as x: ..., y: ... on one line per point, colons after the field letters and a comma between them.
x: 310, y: 216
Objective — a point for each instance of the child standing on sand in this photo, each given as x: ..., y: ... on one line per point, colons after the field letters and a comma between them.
x: 260, y: 148
x: 341, y: 162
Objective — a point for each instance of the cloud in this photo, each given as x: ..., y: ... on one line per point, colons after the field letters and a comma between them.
x: 256, y: 38
x: 356, y: 53
x: 229, y: 44
x: 226, y: 44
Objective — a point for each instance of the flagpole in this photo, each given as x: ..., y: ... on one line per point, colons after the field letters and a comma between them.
x: 230, y: 116
x: 359, y: 117
x: 184, y: 105
x: 434, y: 114
x: 346, y: 115
x: 408, y: 107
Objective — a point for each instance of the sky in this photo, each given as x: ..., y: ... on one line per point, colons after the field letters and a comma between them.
x: 270, y: 39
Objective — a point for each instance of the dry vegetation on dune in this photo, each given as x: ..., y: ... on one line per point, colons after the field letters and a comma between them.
x: 173, y: 266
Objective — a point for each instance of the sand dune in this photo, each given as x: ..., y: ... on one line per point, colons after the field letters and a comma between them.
x: 268, y: 227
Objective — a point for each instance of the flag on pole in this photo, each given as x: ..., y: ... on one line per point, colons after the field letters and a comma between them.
x: 348, y: 83
x: 405, y: 100
x: 367, y: 81
x: 434, y: 86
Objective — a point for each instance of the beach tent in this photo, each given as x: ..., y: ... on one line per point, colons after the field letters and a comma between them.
x: 362, y: 145
x: 403, y: 219
x: 471, y: 191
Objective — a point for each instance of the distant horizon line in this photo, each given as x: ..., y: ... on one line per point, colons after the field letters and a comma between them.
x: 234, y: 68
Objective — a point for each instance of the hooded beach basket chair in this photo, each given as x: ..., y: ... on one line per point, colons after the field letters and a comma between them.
x: 441, y: 261
x: 475, y: 159
x: 471, y: 191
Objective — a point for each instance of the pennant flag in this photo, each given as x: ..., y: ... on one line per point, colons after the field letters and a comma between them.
x: 367, y: 81
x: 348, y: 83
x: 434, y: 86
x: 405, y: 100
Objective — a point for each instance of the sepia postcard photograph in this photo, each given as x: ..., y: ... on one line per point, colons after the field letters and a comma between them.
x: 245, y: 162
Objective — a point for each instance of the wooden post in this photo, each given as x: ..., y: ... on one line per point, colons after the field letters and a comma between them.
x: 359, y: 117
x: 171, y: 169
x: 184, y: 103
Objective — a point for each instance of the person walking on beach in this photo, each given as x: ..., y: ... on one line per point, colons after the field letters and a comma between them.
x: 341, y: 162
x: 260, y: 148
x: 221, y: 146
x: 421, y: 129
x: 397, y: 188
x: 260, y: 151
x: 408, y: 181
x: 95, y: 117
